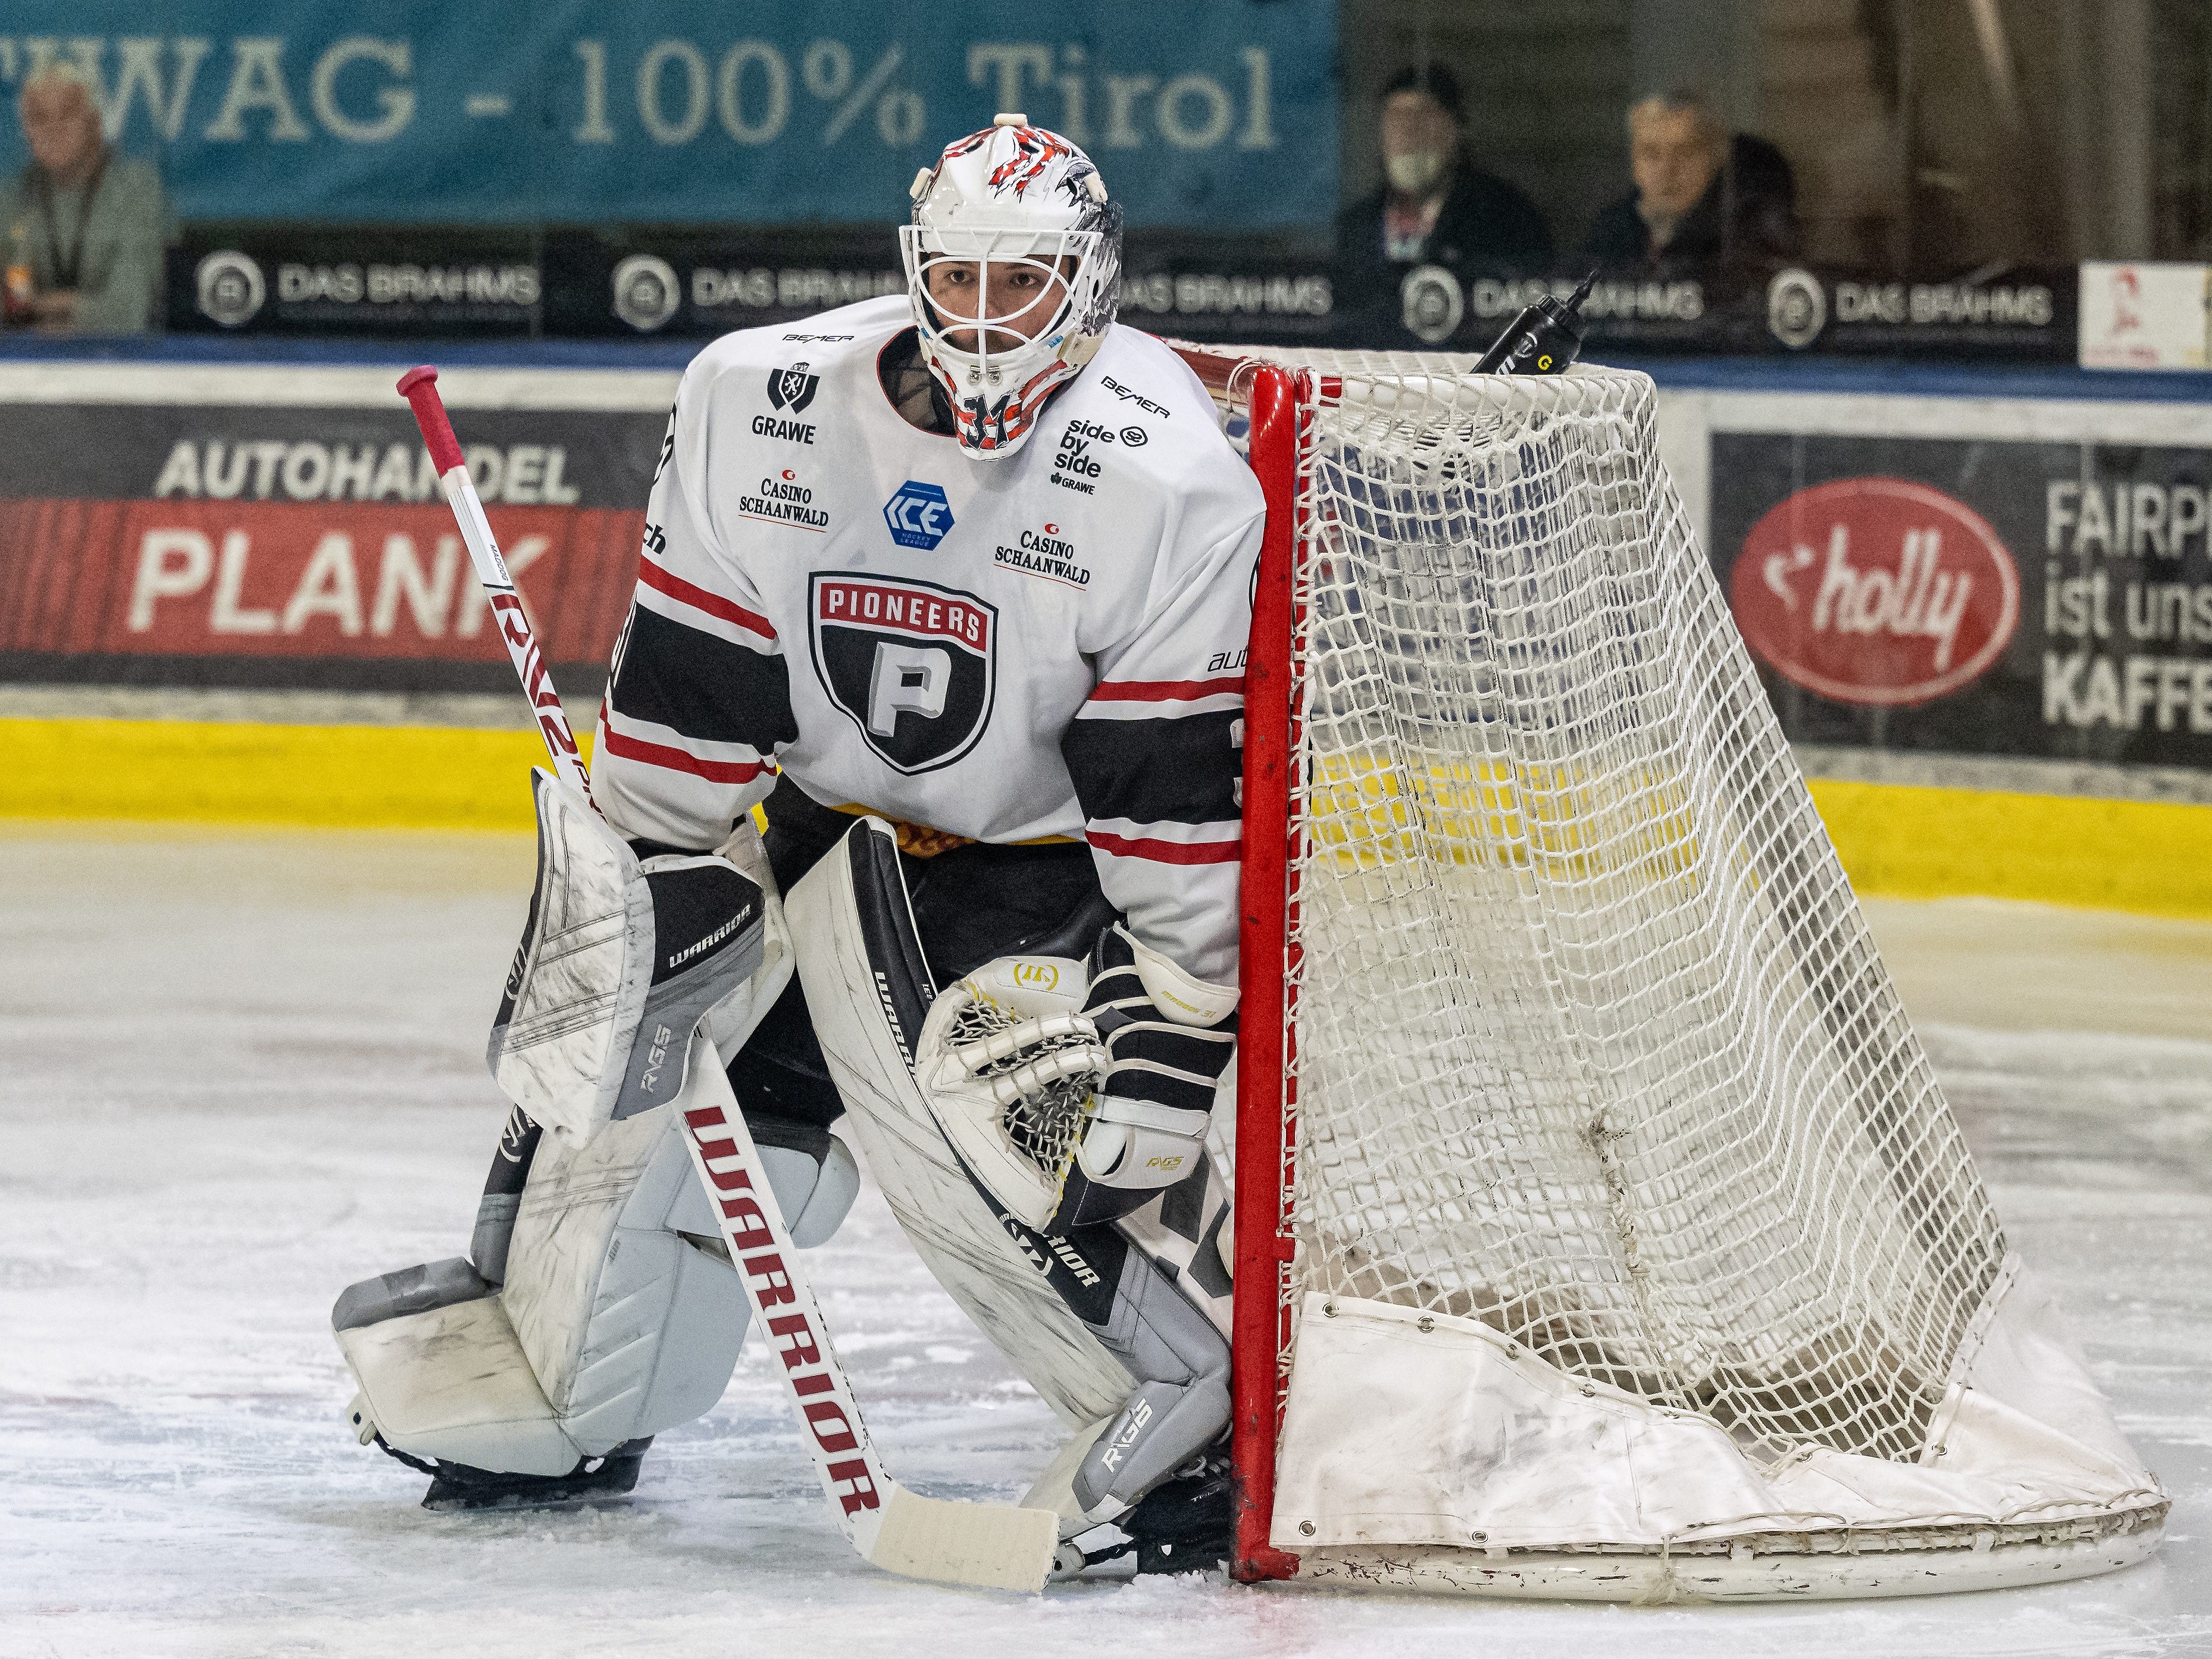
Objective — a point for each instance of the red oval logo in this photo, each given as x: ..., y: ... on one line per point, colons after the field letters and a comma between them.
x: 1875, y: 591
x: 789, y: 476
x: 1051, y: 530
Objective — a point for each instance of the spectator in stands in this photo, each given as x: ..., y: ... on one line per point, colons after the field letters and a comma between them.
x: 1704, y: 199
x: 87, y: 224
x: 1436, y: 207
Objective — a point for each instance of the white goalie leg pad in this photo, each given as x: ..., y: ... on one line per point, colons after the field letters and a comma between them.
x: 620, y: 1316
x: 1169, y: 1323
x: 868, y: 993
x: 451, y: 1383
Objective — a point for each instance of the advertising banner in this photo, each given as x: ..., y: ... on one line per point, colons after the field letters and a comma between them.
x: 2025, y: 314
x: 2146, y: 316
x: 321, y: 281
x: 1221, y: 116
x: 381, y: 281
x: 211, y: 544
x: 625, y: 284
x: 2037, y: 599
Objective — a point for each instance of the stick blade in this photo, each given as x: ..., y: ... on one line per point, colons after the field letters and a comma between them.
x: 992, y: 1546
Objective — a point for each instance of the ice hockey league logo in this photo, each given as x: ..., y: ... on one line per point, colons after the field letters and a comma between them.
x: 912, y: 663
x: 792, y: 388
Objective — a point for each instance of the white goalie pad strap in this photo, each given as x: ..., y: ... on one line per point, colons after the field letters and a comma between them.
x: 619, y: 962
x: 868, y: 993
x: 1151, y: 1115
x: 1225, y: 1040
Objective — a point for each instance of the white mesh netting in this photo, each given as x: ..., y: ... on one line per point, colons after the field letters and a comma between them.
x: 1590, y: 1042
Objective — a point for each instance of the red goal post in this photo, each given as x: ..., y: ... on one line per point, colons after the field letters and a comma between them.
x: 1278, y: 402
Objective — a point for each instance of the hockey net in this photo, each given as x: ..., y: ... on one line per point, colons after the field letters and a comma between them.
x: 1589, y: 1077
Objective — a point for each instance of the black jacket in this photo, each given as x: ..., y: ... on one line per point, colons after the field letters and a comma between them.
x: 1486, y: 227
x: 1747, y: 216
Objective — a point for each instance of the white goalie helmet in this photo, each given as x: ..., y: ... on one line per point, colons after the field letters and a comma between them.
x: 1015, y: 196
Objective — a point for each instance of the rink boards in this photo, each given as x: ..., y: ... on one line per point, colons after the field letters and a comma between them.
x: 292, y: 650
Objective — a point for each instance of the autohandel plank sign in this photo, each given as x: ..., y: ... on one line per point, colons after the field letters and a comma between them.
x: 1221, y: 115
x: 232, y: 543
x: 2030, y: 598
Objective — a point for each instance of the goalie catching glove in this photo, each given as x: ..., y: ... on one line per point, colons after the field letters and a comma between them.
x: 622, y: 960
x: 1073, y: 1105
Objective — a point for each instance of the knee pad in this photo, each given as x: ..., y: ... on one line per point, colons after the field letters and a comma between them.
x: 1163, y: 1311
x: 620, y: 1316
x: 1180, y: 1406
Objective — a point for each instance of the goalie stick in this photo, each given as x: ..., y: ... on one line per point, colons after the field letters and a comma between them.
x: 998, y: 1545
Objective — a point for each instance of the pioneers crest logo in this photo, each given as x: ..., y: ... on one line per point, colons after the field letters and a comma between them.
x: 913, y: 665
x: 1875, y: 591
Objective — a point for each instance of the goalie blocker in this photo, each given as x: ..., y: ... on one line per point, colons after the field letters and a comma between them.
x: 621, y: 959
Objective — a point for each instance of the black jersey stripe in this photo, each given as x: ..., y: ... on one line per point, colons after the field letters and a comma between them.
x: 702, y: 686
x: 1156, y: 771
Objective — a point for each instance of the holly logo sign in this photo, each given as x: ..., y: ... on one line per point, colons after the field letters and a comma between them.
x: 1875, y: 591
x: 919, y: 515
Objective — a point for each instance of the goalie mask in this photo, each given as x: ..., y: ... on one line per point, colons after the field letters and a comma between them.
x: 1015, y: 221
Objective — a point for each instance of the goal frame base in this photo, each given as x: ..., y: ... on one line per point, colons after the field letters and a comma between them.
x: 1840, y: 1574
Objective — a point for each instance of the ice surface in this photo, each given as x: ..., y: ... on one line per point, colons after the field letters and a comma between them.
x: 239, y: 1071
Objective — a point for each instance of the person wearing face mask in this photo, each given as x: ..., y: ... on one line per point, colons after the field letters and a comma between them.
x: 1704, y: 199
x: 81, y: 227
x: 1437, y: 210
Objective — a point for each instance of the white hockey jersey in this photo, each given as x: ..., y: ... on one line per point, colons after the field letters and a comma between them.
x: 1046, y: 645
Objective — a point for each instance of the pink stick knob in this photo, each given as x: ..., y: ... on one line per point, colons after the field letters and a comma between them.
x: 420, y: 387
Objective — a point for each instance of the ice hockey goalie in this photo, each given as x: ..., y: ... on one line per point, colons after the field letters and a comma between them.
x: 954, y: 587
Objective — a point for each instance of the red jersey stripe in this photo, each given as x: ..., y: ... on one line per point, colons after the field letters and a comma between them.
x: 700, y: 600
x: 1165, y: 852
x: 675, y: 760
x: 1166, y: 690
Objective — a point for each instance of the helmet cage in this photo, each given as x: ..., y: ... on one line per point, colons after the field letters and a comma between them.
x: 997, y: 380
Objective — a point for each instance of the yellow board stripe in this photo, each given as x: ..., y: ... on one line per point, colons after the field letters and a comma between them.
x: 2151, y: 857
x: 237, y: 772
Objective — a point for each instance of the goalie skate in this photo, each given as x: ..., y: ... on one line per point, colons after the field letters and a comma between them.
x: 1185, y: 1524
